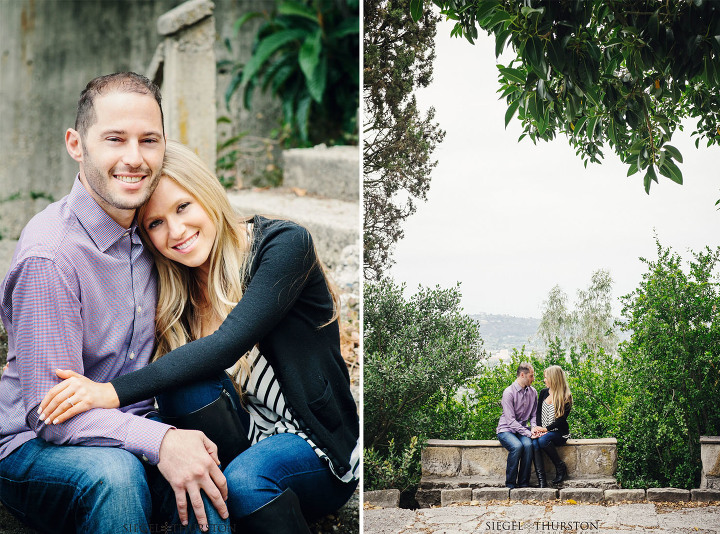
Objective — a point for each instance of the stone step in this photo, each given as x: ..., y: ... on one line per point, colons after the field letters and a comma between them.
x: 431, y: 489
x: 334, y: 224
x: 382, y: 498
x: 585, y: 495
x: 331, y: 172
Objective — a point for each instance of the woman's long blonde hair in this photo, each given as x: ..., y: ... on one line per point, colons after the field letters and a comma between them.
x: 180, y: 298
x: 559, y: 389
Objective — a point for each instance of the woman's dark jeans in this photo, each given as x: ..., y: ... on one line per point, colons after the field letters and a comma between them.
x: 549, y: 437
x: 276, y: 463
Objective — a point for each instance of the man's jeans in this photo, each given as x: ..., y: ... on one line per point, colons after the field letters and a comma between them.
x: 67, y: 488
x: 520, y: 451
x: 259, y: 474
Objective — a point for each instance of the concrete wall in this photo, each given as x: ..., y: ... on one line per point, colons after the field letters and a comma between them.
x: 49, y: 50
x: 710, y: 456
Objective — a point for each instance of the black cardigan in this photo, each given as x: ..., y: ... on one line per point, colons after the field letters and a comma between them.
x: 559, y: 425
x: 282, y: 309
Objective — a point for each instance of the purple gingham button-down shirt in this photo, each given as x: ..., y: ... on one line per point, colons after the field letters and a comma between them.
x: 80, y: 294
x: 519, y: 406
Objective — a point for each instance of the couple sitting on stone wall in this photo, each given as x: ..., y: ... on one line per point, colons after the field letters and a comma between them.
x: 521, y: 405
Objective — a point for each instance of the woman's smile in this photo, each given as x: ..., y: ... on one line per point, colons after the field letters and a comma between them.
x: 185, y: 245
x: 178, y: 225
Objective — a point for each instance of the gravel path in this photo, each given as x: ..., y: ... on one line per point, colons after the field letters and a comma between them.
x: 550, y: 518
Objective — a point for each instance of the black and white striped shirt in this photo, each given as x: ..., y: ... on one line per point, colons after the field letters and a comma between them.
x: 548, y: 415
x: 270, y: 415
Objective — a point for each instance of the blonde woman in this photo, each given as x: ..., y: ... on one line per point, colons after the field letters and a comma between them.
x: 253, y: 296
x: 554, y: 405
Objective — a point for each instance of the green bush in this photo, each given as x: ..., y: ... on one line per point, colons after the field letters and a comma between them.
x: 397, y: 468
x: 416, y: 352
x: 672, y: 369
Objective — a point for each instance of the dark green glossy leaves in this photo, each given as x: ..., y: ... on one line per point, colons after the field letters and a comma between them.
x: 623, y: 74
x: 302, y: 49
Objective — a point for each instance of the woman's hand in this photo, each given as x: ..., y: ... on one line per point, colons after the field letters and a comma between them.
x: 74, y: 395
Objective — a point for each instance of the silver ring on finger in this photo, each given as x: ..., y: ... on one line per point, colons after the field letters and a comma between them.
x: 71, y: 403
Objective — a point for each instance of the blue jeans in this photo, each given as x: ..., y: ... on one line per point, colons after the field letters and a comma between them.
x: 520, y: 453
x: 279, y: 462
x: 549, y: 437
x: 67, y: 488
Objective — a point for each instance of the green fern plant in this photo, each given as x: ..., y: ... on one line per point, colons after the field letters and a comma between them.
x: 306, y: 53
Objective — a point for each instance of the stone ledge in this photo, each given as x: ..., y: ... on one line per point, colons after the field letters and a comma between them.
x: 624, y: 495
x: 592, y: 495
x: 332, y: 172
x: 334, y: 224
x: 668, y: 495
x: 496, y: 443
x: 450, y: 496
x: 382, y: 498
x: 447, y: 496
x: 533, y: 494
x: 491, y: 494
x: 705, y: 495
x: 585, y: 458
x: 184, y: 15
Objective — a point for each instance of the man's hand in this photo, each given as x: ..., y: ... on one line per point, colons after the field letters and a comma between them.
x: 189, y: 462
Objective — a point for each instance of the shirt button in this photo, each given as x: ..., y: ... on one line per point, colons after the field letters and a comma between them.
x: 132, y: 355
x: 145, y: 458
x: 139, y: 308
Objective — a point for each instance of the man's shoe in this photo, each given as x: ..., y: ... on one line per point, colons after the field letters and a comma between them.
x: 282, y: 515
x: 539, y: 468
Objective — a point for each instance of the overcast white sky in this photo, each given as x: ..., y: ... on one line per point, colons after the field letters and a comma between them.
x: 511, y: 220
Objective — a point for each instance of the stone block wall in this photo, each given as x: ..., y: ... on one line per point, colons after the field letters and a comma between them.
x: 585, y: 458
x: 480, y: 464
x: 710, y: 456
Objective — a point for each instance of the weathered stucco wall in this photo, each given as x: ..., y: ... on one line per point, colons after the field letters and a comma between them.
x: 49, y: 50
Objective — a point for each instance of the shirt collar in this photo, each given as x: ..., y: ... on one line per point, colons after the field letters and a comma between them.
x: 518, y: 387
x: 102, y: 228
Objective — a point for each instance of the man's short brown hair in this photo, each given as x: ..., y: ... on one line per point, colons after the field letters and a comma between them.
x: 524, y: 367
x: 124, y: 82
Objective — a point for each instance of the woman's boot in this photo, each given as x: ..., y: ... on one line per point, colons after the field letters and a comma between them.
x: 282, y: 515
x: 560, y: 467
x: 539, y: 467
x: 220, y: 422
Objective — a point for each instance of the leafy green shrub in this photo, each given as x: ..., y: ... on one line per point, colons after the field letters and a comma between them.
x: 415, y: 350
x: 672, y: 365
x: 397, y: 468
x: 306, y: 53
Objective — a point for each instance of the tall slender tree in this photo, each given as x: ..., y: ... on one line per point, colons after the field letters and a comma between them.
x: 398, y: 137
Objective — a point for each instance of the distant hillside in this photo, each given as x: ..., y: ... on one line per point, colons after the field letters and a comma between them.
x: 505, y: 332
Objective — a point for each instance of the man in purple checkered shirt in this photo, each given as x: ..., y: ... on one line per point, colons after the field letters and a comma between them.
x: 81, y: 294
x: 519, y: 407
